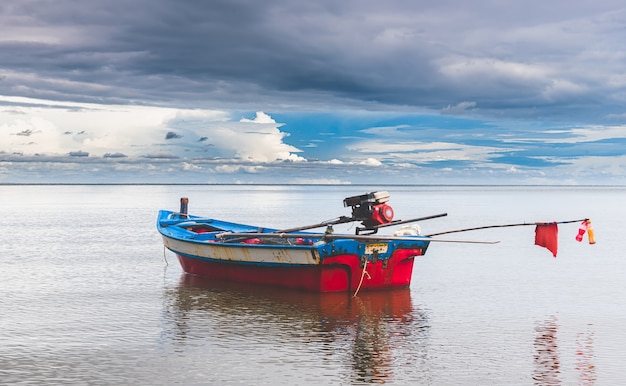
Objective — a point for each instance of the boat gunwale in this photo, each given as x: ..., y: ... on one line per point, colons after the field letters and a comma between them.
x: 176, y: 232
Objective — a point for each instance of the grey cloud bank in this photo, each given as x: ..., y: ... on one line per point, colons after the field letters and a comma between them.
x: 521, y: 58
x: 99, y: 88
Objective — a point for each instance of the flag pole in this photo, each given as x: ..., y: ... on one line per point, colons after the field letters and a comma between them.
x: 503, y: 226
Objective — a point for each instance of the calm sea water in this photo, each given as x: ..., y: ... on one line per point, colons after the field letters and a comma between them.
x: 89, y: 296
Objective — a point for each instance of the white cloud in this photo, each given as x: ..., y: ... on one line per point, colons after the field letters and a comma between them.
x: 422, y: 152
x: 261, y: 117
x: 371, y: 162
x: 616, y: 116
x: 97, y: 129
x: 561, y: 87
x: 573, y: 135
x: 189, y: 166
x: 45, y: 127
x: 489, y: 68
x: 231, y: 169
x: 458, y: 108
x: 321, y: 181
x: 593, y: 166
x: 404, y: 165
x: 597, y: 133
x: 384, y: 130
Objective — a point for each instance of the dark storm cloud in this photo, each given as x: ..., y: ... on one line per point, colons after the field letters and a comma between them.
x: 160, y: 156
x: 25, y: 133
x: 172, y: 135
x: 114, y: 155
x: 532, y: 58
x: 79, y: 153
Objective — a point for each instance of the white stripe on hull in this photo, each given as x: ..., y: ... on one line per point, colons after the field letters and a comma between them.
x: 250, y: 253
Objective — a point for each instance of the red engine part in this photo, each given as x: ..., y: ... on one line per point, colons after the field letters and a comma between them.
x: 381, y: 214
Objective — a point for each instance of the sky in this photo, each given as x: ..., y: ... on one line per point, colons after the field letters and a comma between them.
x: 313, y: 92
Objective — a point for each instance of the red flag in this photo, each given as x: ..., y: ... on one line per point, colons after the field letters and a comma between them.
x: 547, y: 236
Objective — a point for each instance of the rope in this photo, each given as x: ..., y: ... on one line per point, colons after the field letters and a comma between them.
x: 503, y: 226
x: 165, y: 257
x: 361, y: 281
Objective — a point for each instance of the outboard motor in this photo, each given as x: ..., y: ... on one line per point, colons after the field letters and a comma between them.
x: 371, y: 209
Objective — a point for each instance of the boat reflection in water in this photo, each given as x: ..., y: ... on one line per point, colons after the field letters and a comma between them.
x: 547, y: 361
x: 362, y: 338
x: 548, y: 368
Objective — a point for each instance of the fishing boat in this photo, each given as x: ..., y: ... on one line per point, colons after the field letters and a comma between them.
x: 297, y: 258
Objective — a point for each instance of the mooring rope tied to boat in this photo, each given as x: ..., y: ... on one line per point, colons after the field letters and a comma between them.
x: 363, y: 273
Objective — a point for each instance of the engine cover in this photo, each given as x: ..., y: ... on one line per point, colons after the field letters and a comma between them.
x: 371, y: 208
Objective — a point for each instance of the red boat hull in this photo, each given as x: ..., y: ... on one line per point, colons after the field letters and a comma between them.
x: 334, y: 274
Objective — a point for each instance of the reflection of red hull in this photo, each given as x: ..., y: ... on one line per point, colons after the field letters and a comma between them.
x: 371, y: 330
x: 336, y: 307
x: 336, y: 273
